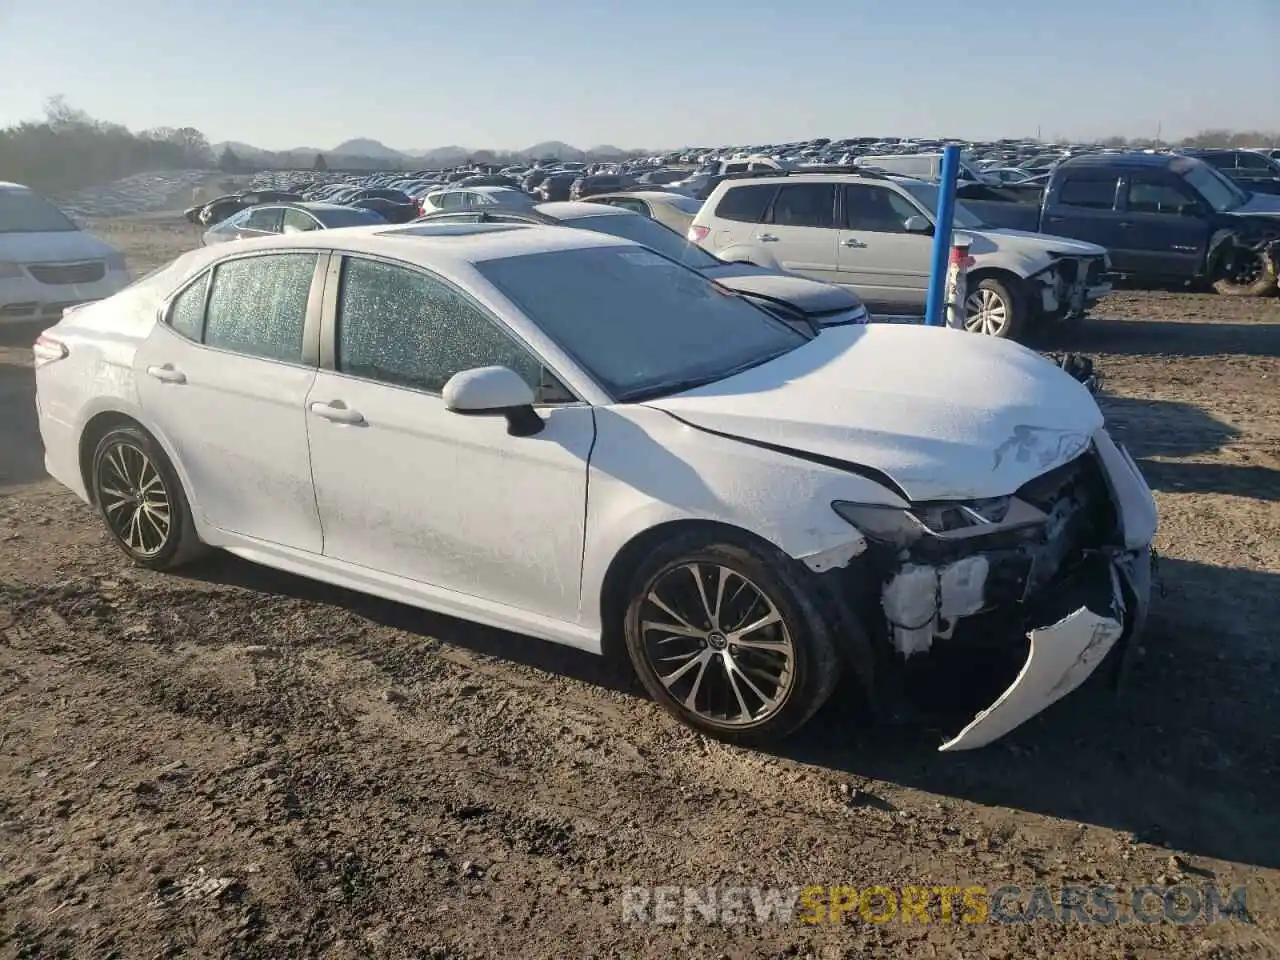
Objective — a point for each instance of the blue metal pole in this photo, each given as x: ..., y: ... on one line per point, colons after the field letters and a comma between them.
x: 935, y: 314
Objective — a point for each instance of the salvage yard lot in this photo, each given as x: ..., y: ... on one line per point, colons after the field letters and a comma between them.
x: 236, y: 762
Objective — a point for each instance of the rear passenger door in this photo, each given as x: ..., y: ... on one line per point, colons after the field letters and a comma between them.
x: 885, y: 265
x: 1166, y: 229
x: 1082, y: 206
x: 799, y: 229
x: 223, y: 379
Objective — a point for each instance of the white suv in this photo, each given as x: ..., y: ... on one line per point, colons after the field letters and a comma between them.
x: 874, y: 233
x: 47, y: 263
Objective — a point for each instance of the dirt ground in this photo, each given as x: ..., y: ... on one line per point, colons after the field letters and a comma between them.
x: 240, y: 763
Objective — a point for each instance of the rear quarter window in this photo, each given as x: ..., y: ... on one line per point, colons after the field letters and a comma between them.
x: 746, y: 203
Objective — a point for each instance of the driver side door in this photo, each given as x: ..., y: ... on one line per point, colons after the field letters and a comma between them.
x: 886, y: 266
x: 408, y: 488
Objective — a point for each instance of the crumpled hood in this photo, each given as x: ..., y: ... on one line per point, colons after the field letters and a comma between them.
x: 52, y: 246
x: 811, y: 296
x: 1033, y: 243
x: 946, y: 414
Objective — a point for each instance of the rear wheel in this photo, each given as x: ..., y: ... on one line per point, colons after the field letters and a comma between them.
x: 141, y: 500
x: 729, y: 640
x: 995, y: 308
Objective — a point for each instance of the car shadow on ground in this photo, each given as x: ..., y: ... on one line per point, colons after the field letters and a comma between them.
x: 21, y: 450
x: 1187, y: 753
x: 1160, y: 432
x: 223, y: 568
x: 1189, y: 338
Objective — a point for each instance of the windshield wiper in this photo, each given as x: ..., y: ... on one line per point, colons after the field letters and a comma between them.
x: 665, y: 388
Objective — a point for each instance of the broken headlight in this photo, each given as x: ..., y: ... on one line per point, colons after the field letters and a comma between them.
x: 946, y: 520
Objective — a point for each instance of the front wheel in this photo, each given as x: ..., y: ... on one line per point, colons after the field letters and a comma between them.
x: 729, y: 640
x: 995, y: 308
x: 141, y: 500
x: 1247, y: 273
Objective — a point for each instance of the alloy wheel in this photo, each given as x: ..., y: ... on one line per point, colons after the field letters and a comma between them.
x: 718, y: 644
x: 985, y: 312
x: 133, y: 498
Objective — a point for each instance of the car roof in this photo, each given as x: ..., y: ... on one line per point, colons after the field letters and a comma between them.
x: 1134, y: 159
x: 647, y: 195
x: 578, y: 209
x: 426, y: 244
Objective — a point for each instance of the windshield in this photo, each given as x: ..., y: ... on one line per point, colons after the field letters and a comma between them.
x: 22, y: 211
x: 926, y: 195
x: 641, y: 325
x: 640, y: 229
x: 1219, y: 192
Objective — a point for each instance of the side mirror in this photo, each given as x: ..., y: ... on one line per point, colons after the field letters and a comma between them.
x: 917, y: 224
x: 494, y: 391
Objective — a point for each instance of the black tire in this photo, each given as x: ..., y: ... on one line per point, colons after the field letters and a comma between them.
x: 813, y: 665
x: 1010, y: 294
x: 126, y: 460
x: 1263, y: 284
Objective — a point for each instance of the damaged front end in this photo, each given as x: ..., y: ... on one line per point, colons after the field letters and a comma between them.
x: 1070, y: 286
x: 1067, y: 557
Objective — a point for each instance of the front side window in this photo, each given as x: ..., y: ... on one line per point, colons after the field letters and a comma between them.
x: 405, y: 328
x: 266, y: 219
x: 805, y: 205
x: 186, y: 314
x: 1150, y: 196
x: 295, y: 221
x: 875, y: 209
x: 258, y: 305
x: 639, y: 323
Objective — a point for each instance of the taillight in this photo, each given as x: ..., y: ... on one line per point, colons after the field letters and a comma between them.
x: 698, y: 234
x: 47, y: 349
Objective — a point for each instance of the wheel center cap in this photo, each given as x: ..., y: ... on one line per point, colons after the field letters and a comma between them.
x: 717, y: 640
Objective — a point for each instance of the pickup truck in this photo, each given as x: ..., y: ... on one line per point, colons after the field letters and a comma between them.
x: 1164, y: 218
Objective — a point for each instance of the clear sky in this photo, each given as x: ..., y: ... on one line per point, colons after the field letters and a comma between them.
x: 659, y: 73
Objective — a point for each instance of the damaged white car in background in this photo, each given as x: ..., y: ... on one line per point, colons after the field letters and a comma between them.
x: 569, y: 436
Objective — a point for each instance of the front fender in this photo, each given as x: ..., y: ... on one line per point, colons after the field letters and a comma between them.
x: 748, y: 253
x: 648, y: 469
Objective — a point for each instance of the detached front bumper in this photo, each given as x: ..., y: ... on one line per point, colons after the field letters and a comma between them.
x: 1072, y: 287
x: 1065, y: 652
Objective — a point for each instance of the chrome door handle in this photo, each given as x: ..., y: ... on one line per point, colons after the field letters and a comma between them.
x: 338, y: 412
x: 167, y: 374
x: 854, y: 242
x: 766, y: 238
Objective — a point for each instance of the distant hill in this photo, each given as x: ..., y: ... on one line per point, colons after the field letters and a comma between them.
x: 364, y: 153
x: 362, y: 147
x: 553, y: 148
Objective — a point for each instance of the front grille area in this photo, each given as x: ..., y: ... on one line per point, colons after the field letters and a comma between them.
x: 86, y: 271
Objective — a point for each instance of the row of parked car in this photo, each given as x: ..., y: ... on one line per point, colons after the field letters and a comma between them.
x: 1041, y: 254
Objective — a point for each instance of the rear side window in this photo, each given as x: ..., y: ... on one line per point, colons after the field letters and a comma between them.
x: 1092, y: 193
x: 805, y: 205
x: 186, y: 314
x: 258, y: 305
x: 746, y: 203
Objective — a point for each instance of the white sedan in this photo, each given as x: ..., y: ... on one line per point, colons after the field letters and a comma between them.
x: 569, y: 436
